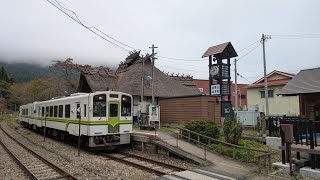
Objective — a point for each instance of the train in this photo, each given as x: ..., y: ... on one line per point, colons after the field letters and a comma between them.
x: 104, y: 117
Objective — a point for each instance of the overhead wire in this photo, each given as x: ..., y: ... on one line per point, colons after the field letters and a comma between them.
x: 76, y: 18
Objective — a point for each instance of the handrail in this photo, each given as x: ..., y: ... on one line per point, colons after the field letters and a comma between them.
x: 266, y: 154
x: 222, y: 142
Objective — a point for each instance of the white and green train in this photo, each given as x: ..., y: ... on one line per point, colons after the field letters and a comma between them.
x: 105, y: 117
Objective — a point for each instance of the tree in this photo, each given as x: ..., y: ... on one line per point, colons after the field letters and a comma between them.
x: 232, y: 130
x: 6, y: 80
x: 69, y: 70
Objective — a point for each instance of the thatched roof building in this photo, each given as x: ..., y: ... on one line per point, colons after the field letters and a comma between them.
x: 128, y: 78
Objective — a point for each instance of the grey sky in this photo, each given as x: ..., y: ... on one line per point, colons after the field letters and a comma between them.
x: 36, y: 31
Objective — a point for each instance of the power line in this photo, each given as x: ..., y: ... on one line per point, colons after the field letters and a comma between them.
x: 181, y: 59
x: 76, y: 18
x: 249, y: 52
x: 250, y: 45
x: 244, y: 78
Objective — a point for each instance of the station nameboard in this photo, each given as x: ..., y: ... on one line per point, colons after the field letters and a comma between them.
x: 215, y: 89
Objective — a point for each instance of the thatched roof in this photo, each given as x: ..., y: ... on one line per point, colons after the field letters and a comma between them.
x: 128, y: 79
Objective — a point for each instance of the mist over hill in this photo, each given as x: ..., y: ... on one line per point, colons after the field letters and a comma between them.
x: 24, y: 72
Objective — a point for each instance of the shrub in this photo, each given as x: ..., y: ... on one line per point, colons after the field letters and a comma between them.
x: 203, y: 127
x: 232, y: 130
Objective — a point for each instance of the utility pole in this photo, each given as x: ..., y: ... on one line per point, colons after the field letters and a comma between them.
x: 235, y: 85
x: 152, y: 72
x: 142, y: 80
x: 263, y: 40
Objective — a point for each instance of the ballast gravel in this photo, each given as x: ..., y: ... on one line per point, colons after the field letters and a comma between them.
x: 88, y: 165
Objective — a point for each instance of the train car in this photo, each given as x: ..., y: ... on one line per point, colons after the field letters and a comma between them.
x: 105, y: 117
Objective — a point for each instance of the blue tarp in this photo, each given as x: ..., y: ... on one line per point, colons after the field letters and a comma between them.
x: 308, y: 135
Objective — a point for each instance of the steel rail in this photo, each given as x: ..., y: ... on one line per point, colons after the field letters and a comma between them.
x: 157, y: 172
x: 18, y: 162
x: 177, y: 168
x: 59, y: 170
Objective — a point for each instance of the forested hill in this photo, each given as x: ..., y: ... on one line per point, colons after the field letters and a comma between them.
x: 24, y: 72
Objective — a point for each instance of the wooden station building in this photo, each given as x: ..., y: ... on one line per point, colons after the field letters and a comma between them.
x: 181, y: 90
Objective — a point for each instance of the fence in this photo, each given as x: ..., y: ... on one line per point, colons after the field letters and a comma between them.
x: 206, y: 143
x: 304, y: 130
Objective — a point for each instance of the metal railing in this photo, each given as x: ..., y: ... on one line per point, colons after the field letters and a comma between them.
x: 206, y: 143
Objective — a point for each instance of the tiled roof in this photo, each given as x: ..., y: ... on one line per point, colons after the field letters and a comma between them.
x: 270, y: 83
x: 306, y: 81
x: 224, y: 50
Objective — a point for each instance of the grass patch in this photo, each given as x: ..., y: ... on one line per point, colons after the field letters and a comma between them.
x: 249, y: 132
x: 238, y: 153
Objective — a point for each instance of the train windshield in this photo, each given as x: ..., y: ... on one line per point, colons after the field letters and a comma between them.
x: 125, y: 105
x: 99, y: 105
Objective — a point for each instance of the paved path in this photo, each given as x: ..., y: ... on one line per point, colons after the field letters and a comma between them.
x: 219, y: 163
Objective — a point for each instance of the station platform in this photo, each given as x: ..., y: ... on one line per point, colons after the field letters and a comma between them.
x: 218, y: 163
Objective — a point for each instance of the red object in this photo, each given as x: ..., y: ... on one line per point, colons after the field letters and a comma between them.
x: 270, y: 83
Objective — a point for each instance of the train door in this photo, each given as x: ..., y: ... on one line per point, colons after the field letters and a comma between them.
x: 113, y: 117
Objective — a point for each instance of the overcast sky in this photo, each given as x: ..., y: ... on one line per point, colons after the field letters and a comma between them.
x: 35, y: 31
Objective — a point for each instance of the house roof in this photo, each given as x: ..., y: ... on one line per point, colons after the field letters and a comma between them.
x: 289, y: 75
x: 129, y: 80
x: 270, y: 83
x: 306, y: 81
x: 224, y: 51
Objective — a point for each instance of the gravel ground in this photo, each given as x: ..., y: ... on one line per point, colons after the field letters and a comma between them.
x: 88, y: 165
x: 8, y: 168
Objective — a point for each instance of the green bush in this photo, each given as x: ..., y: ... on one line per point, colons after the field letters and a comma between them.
x: 203, y: 127
x: 240, y: 154
x: 232, y: 130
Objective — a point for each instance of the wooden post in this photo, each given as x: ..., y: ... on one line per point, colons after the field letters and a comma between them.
x: 177, y: 140
x: 198, y: 139
x: 248, y: 154
x: 189, y: 136
x: 142, y: 146
x: 234, y: 152
x: 269, y: 162
x: 205, y: 153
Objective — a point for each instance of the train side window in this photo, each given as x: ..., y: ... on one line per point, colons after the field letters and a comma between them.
x: 42, y: 112
x: 55, y: 112
x: 125, y: 105
x: 47, y: 111
x: 60, y: 111
x: 51, y: 111
x: 99, y: 105
x: 84, y: 110
x: 113, y: 110
x: 67, y: 111
x: 25, y: 112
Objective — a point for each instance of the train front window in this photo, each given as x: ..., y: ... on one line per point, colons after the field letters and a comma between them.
x: 99, y: 105
x: 125, y: 105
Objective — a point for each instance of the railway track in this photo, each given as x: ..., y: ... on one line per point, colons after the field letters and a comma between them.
x: 150, y: 165
x: 33, y: 164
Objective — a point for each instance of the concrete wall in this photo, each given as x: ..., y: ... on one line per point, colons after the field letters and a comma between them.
x: 278, y: 104
x: 248, y: 118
